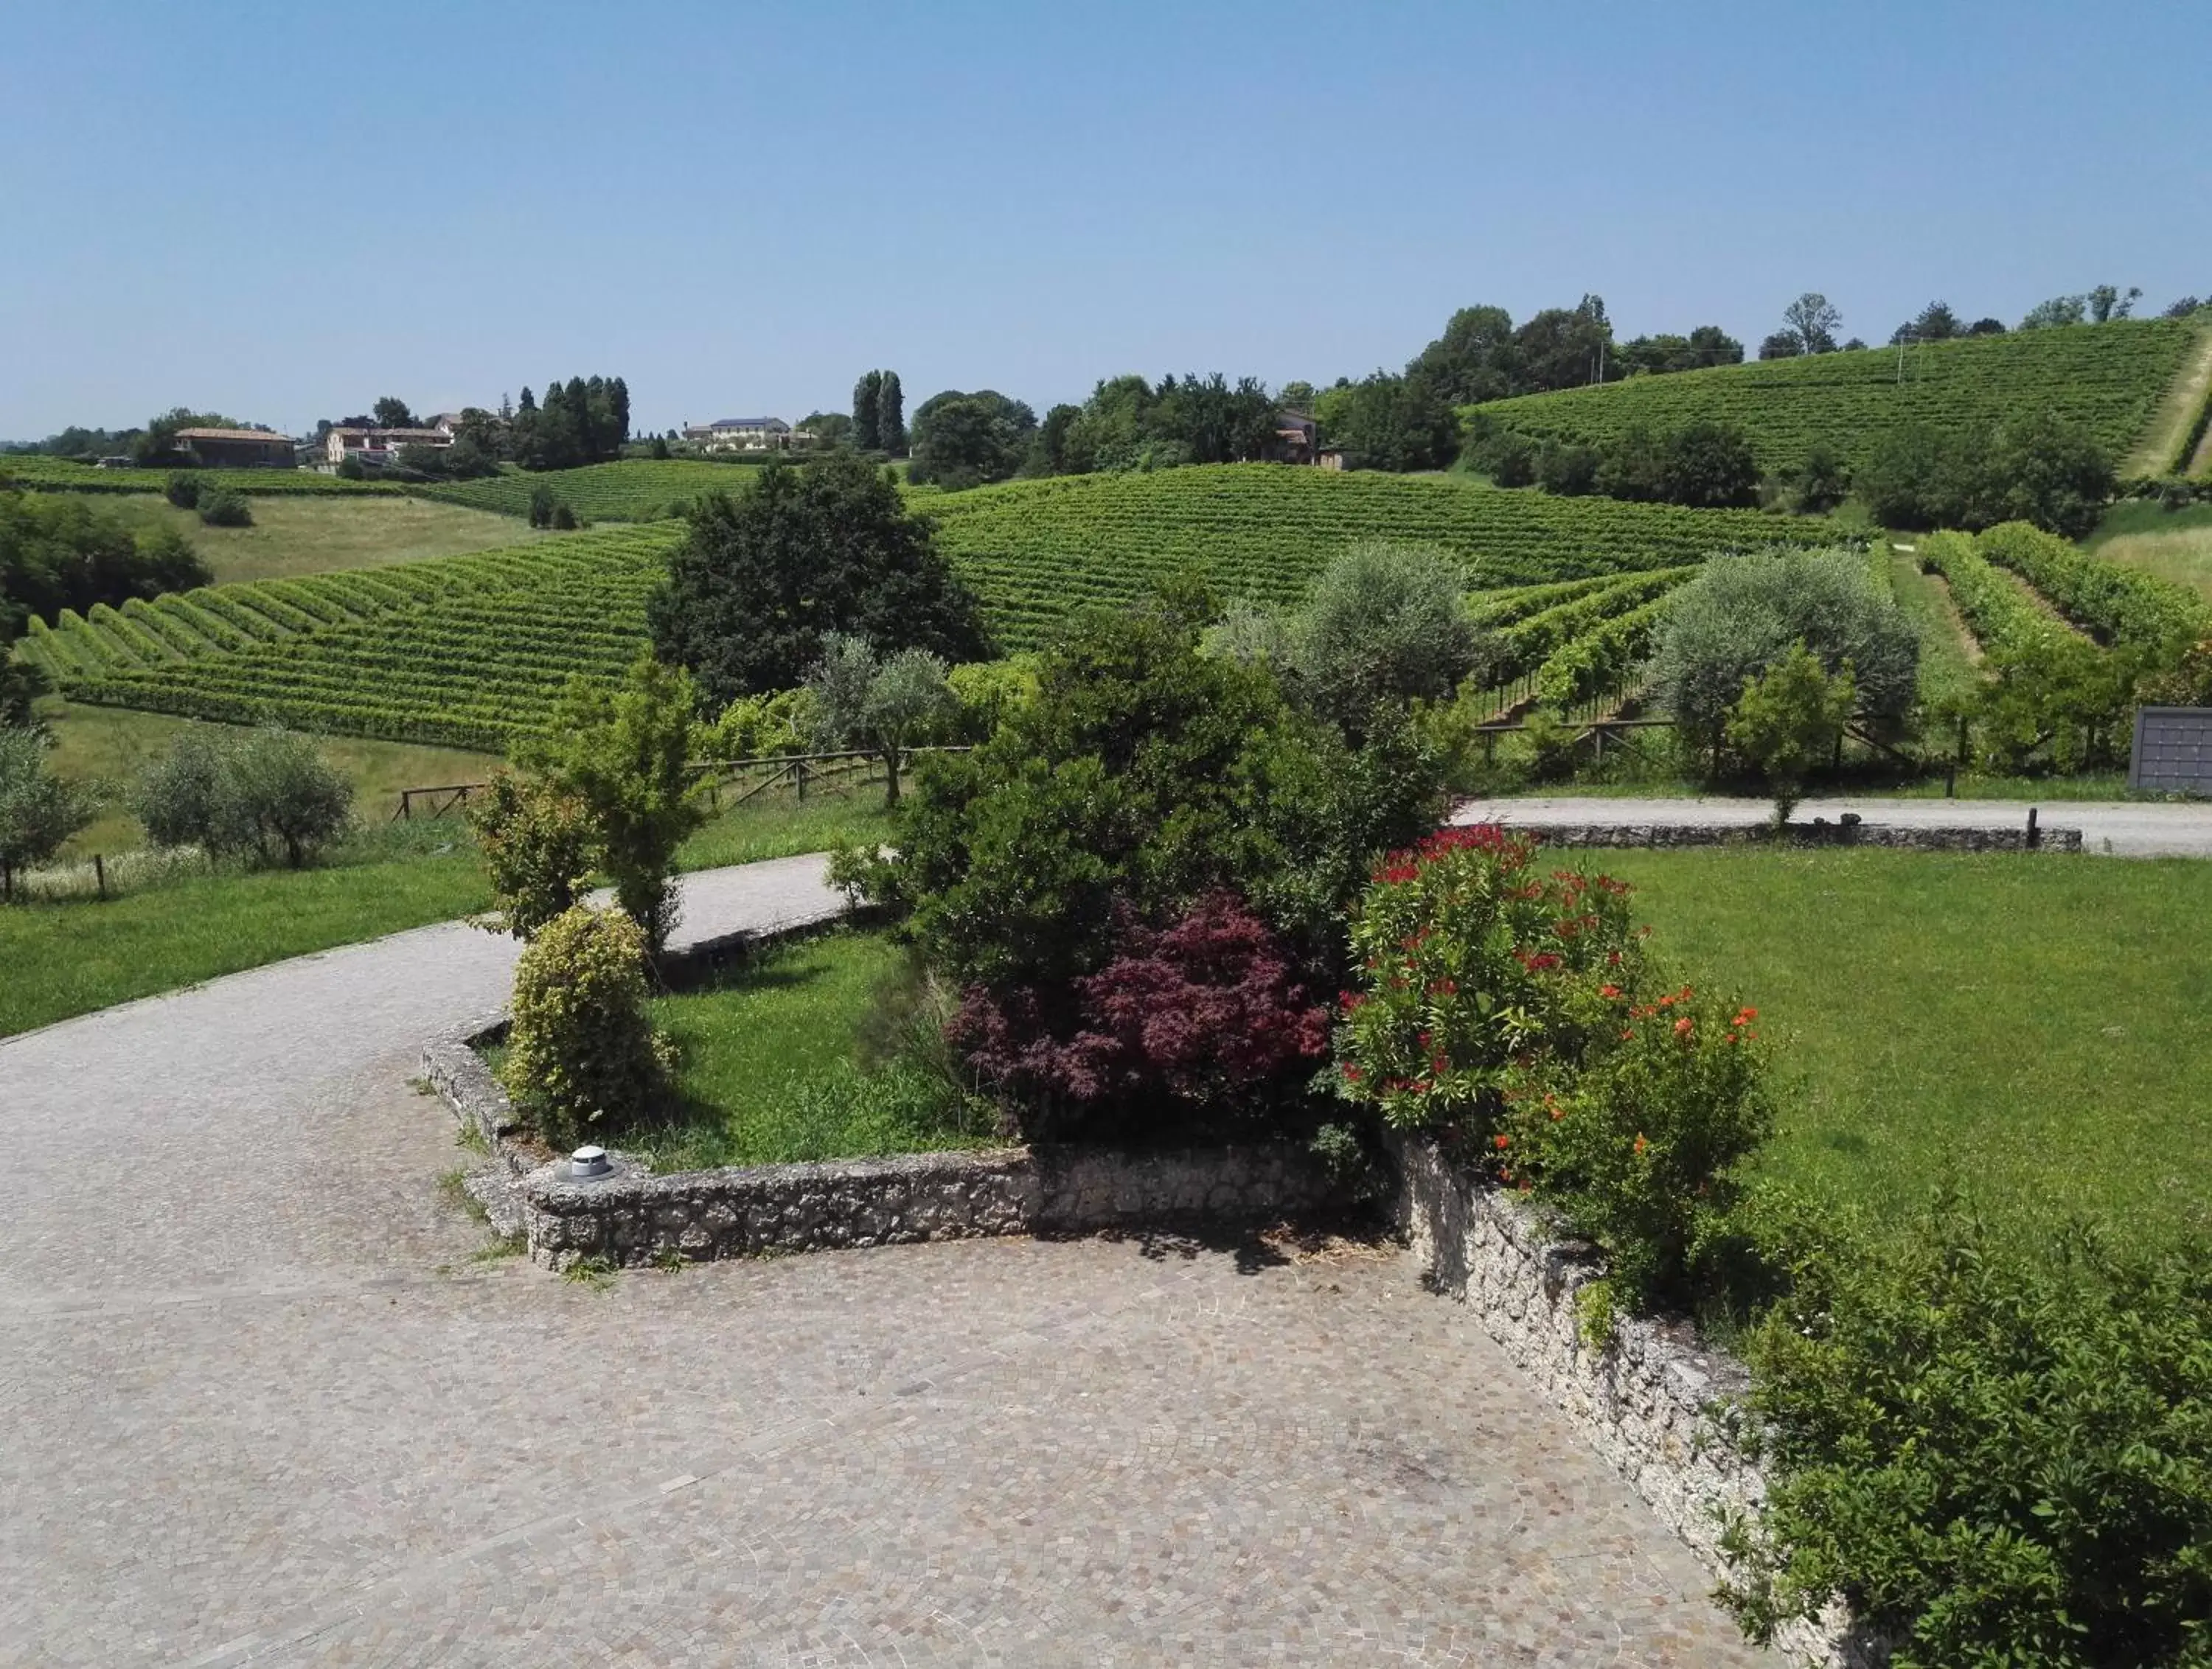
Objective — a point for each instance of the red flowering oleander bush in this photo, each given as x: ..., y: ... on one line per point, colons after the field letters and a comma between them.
x: 1514, y: 1009
x: 1637, y: 1150
x: 1195, y: 1012
x: 1473, y: 965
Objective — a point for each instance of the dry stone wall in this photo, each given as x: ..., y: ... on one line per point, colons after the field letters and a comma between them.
x: 1663, y: 1409
x: 1818, y: 833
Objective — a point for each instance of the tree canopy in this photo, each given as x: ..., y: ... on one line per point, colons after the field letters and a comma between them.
x: 963, y: 440
x: 768, y: 573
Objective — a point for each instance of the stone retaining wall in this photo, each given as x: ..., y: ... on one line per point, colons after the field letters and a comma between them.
x: 1662, y: 1409
x: 632, y: 1218
x: 1816, y: 834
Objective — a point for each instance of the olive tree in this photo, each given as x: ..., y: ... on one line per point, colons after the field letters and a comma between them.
x: 38, y: 810
x: 1384, y: 622
x: 885, y: 704
x: 266, y: 797
x: 1741, y: 616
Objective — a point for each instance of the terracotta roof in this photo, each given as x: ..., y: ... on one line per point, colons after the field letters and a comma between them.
x: 232, y: 435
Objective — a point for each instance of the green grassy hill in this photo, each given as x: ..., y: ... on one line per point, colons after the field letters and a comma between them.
x: 635, y: 490
x: 1037, y: 550
x: 2114, y: 379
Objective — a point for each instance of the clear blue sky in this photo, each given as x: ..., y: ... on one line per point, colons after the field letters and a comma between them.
x: 284, y: 212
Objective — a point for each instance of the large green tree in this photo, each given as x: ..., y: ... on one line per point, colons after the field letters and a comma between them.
x: 768, y: 573
x: 867, y: 411
x: 890, y: 414
x: 964, y: 440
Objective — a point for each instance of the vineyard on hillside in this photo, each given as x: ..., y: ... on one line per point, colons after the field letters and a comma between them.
x: 635, y: 490
x: 1035, y: 550
x: 470, y: 650
x: 2109, y: 378
x: 459, y: 650
x: 52, y: 475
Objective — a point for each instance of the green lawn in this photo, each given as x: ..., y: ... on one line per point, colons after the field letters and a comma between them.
x: 2038, y: 1027
x: 2173, y: 544
x: 773, y: 1069
x: 64, y: 959
x: 69, y: 958
x: 322, y: 533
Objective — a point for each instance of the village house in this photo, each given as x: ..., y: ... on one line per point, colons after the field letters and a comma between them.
x: 236, y: 449
x: 374, y: 447
x: 740, y: 435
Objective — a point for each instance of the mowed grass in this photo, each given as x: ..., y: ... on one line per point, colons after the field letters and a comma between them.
x: 59, y: 959
x: 2173, y: 544
x: 771, y: 1070
x: 112, y: 747
x: 66, y: 959
x: 309, y: 534
x: 2037, y: 1029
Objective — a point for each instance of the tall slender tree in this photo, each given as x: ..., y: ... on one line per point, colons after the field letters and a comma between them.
x: 867, y: 401
x: 890, y: 414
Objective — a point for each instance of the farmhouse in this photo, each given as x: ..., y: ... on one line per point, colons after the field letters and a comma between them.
x: 374, y: 446
x: 237, y: 449
x: 740, y: 435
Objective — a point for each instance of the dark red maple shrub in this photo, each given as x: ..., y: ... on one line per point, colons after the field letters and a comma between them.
x: 1205, y: 1011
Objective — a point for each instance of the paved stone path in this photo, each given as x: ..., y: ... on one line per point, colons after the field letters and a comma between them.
x: 2118, y: 827
x: 264, y: 1401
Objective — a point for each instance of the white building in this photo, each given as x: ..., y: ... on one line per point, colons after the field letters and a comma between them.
x: 740, y: 435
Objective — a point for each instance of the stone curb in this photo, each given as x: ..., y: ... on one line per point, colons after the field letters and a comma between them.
x: 1820, y: 832
x: 1659, y: 1406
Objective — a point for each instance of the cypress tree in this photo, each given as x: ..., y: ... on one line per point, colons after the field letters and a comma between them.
x: 890, y: 414
x: 867, y: 394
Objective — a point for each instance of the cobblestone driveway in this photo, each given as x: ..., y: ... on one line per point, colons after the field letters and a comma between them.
x: 262, y: 1404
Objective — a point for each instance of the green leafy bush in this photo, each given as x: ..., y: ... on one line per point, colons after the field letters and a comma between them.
x: 223, y: 508
x: 39, y: 811
x: 1475, y: 969
x: 1790, y: 719
x: 1142, y: 777
x: 183, y: 489
x: 1638, y: 1151
x: 1742, y: 614
x: 539, y: 847
x: 1999, y: 1456
x: 618, y: 751
x: 582, y: 1057
x: 267, y: 797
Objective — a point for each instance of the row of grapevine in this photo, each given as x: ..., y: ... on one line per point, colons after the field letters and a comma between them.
x: 1035, y: 551
x: 2114, y: 604
x: 2109, y: 378
x: 1514, y: 602
x: 2002, y: 616
x: 1534, y: 641
x: 62, y: 475
x: 1601, y: 660
x: 465, y: 651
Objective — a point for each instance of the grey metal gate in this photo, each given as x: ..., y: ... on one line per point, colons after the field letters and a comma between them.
x: 2172, y: 751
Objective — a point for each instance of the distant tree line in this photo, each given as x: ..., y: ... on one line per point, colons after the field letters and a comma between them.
x: 583, y: 420
x: 59, y: 551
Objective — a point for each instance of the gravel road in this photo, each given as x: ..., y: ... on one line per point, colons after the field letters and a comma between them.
x: 2119, y: 829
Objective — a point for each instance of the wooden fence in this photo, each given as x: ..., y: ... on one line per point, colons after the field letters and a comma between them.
x: 729, y: 782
